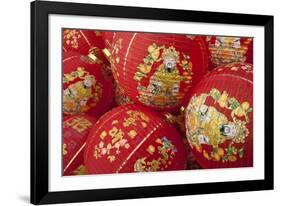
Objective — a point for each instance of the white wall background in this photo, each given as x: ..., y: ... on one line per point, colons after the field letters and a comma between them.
x: 14, y: 101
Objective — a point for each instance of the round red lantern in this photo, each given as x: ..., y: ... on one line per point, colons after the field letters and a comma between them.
x: 86, y: 86
x: 219, y: 118
x: 157, y: 70
x: 131, y: 138
x: 75, y: 131
x: 85, y: 42
x: 225, y: 50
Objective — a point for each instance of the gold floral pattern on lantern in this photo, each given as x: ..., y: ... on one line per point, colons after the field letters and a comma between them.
x: 206, y: 125
x: 228, y: 49
x: 114, y: 139
x: 83, y: 92
x: 71, y: 37
x: 164, y: 83
x: 135, y: 116
x: 167, y: 152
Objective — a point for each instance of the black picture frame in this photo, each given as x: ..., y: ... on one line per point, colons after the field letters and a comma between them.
x: 39, y: 102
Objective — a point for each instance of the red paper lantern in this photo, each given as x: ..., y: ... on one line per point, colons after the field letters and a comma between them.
x: 86, y: 86
x: 85, y: 42
x: 157, y: 70
x: 219, y: 118
x: 75, y: 132
x: 131, y: 138
x: 225, y: 50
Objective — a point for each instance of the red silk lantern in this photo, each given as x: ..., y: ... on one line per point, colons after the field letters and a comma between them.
x: 75, y: 131
x: 86, y: 86
x: 219, y: 118
x: 225, y: 50
x: 132, y: 138
x: 85, y: 42
x: 157, y: 70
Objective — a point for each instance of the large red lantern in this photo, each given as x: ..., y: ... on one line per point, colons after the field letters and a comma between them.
x: 157, y: 70
x: 219, y: 118
x: 86, y: 86
x: 131, y: 138
x: 85, y: 42
x: 75, y: 131
x: 225, y: 50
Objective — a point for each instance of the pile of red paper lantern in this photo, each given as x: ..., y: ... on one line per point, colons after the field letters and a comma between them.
x: 146, y: 102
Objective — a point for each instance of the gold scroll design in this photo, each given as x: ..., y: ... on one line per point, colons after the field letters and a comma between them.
x: 167, y: 153
x: 118, y: 136
x: 206, y: 125
x: 228, y: 49
x: 164, y: 84
x: 82, y: 95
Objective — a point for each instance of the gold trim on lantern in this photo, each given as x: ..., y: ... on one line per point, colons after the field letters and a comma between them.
x: 138, y: 146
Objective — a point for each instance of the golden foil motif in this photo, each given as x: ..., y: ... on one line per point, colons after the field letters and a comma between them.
x: 83, y: 94
x: 79, y: 124
x: 228, y: 49
x: 167, y: 152
x: 164, y: 83
x: 71, y: 37
x: 117, y: 136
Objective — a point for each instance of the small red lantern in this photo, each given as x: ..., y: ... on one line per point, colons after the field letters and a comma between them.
x: 157, y: 70
x: 86, y: 86
x: 75, y: 131
x: 219, y: 118
x: 131, y: 138
x: 85, y: 42
x: 225, y: 50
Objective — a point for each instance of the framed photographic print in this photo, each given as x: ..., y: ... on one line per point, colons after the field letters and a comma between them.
x: 133, y: 102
